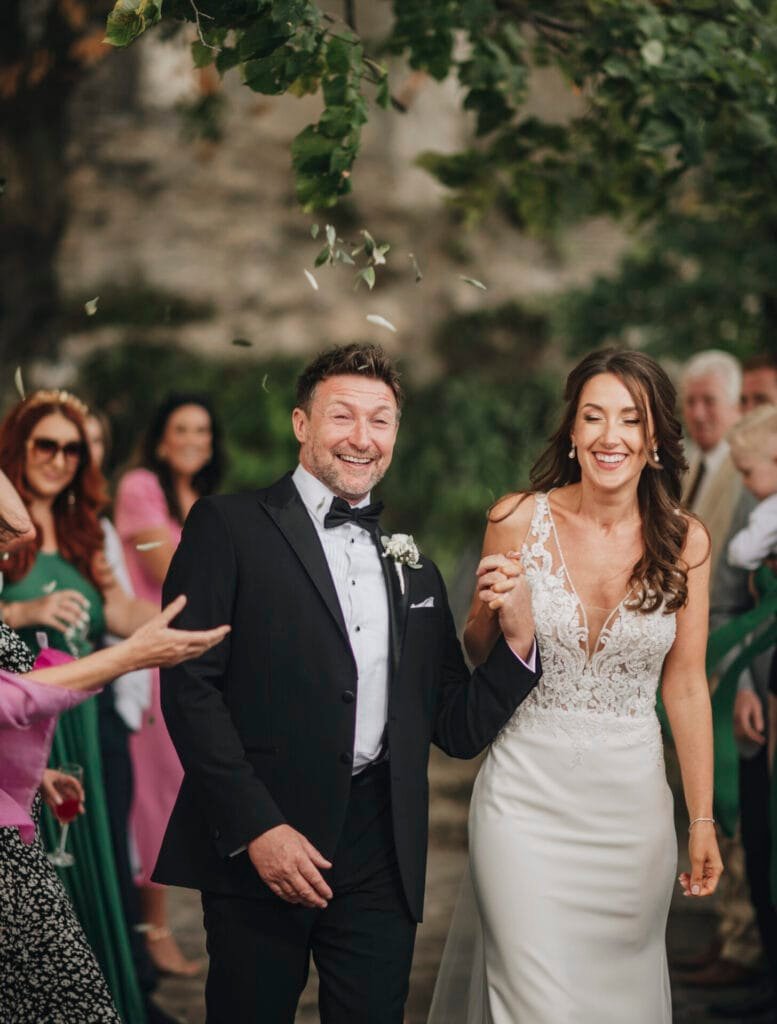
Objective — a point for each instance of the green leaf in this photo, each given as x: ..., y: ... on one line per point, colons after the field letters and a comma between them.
x: 368, y: 276
x: 242, y: 343
x: 202, y: 55
x: 129, y: 19
x: 314, y: 229
x: 227, y: 58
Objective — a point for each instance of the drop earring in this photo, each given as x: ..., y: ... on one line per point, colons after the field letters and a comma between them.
x: 655, y: 455
x: 572, y: 451
x: 71, y: 499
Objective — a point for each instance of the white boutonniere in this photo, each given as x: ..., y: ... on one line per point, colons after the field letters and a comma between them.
x: 404, y: 551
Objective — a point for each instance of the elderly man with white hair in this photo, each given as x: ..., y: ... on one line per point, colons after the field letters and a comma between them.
x: 710, y: 388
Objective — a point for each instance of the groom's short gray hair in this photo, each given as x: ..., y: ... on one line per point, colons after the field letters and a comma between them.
x: 357, y: 359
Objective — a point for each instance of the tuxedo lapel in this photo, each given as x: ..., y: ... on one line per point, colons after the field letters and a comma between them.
x: 283, y: 503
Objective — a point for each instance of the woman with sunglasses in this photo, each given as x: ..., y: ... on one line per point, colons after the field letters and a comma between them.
x: 59, y: 593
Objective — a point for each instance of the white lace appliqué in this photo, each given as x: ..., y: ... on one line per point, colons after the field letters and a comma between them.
x: 588, y: 696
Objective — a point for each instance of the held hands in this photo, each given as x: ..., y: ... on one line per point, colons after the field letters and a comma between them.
x: 706, y: 865
x: 288, y: 863
x: 155, y: 643
x: 57, y: 786
x: 502, y: 587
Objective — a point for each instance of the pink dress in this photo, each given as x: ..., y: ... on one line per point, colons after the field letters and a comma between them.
x: 141, y: 506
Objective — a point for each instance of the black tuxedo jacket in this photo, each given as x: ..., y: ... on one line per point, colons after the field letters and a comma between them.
x: 264, y: 722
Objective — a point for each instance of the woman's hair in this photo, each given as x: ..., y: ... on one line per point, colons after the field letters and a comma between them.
x: 77, y: 508
x: 661, y: 574
x: 207, y: 480
x: 749, y: 433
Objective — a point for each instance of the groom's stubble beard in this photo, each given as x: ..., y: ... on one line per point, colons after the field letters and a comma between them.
x: 336, y: 480
x: 329, y: 471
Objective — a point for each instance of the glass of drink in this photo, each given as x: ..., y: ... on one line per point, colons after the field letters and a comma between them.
x: 66, y: 812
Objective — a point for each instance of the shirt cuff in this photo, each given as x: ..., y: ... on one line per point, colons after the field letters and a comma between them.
x: 531, y: 661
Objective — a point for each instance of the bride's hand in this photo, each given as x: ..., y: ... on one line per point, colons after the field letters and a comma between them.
x: 503, y: 588
x: 706, y: 865
x: 497, y: 576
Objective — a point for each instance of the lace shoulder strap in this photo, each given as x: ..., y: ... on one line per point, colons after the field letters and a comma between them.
x: 534, y: 551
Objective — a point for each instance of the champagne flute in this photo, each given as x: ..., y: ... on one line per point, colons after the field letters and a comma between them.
x: 66, y: 812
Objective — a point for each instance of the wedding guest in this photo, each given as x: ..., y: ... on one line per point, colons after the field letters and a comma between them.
x: 710, y: 388
x: 49, y: 971
x: 754, y: 450
x: 120, y: 711
x: 58, y: 592
x: 759, y: 381
x: 181, y: 460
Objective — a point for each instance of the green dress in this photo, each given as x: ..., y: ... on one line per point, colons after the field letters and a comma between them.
x: 91, y: 882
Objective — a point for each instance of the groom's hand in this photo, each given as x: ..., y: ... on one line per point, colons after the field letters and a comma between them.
x: 503, y: 588
x: 288, y: 863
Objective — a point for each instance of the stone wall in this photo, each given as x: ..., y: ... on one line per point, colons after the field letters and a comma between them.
x: 219, y: 222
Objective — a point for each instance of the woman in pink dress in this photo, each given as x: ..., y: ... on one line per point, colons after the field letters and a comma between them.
x: 181, y: 461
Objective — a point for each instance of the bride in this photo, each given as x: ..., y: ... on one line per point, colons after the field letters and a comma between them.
x: 572, y: 845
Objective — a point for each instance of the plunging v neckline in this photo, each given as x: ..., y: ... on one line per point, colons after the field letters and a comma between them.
x: 607, y: 621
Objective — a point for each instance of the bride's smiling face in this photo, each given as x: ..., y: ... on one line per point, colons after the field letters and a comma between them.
x: 609, y: 433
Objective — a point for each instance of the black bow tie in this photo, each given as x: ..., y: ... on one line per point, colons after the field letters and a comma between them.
x: 341, y: 512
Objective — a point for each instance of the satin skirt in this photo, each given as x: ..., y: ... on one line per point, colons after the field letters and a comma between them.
x: 573, y: 859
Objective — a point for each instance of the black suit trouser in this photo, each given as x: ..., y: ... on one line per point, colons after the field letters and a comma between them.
x: 362, y: 943
x: 757, y: 842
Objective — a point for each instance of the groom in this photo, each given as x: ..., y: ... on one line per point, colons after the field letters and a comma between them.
x: 305, y: 735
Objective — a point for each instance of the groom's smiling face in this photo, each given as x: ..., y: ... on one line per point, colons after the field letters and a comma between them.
x: 347, y: 434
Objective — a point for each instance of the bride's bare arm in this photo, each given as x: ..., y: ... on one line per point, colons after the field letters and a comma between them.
x: 154, y: 643
x: 687, y: 701
x: 508, y: 524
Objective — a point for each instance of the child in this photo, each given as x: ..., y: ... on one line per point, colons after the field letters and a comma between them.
x: 754, y: 451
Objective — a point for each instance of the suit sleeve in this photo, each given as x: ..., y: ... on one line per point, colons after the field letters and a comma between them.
x: 236, y: 805
x: 472, y: 708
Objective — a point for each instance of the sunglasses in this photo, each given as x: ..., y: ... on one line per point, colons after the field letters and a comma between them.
x: 46, y: 448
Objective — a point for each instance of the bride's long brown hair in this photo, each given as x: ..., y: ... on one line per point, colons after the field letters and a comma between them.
x: 660, y: 577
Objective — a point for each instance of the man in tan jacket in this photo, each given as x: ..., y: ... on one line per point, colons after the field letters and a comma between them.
x: 710, y: 390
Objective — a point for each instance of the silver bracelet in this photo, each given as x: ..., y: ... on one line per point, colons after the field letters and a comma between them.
x: 696, y: 820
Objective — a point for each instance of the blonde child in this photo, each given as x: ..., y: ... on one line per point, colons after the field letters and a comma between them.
x: 754, y: 450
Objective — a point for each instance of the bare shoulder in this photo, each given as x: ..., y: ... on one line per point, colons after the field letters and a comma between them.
x: 697, y: 546
x: 509, y: 520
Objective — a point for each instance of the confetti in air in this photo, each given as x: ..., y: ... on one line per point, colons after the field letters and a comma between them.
x: 17, y: 379
x: 91, y: 305
x: 149, y: 546
x: 381, y: 321
x: 311, y: 281
x: 474, y: 282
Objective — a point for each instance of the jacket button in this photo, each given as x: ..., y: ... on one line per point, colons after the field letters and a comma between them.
x: 348, y: 696
x: 346, y: 758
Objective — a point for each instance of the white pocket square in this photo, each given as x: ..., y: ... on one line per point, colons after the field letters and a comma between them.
x: 426, y: 603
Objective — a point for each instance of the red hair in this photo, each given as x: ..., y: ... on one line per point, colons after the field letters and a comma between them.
x: 77, y: 508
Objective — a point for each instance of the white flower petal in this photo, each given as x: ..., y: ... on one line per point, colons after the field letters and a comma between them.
x: 311, y: 280
x: 149, y: 545
x: 91, y: 305
x: 381, y: 321
x: 19, y: 383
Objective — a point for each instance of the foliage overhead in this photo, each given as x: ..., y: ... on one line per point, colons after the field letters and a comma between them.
x: 658, y: 90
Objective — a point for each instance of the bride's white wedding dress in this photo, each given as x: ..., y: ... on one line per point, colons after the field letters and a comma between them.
x: 572, y: 845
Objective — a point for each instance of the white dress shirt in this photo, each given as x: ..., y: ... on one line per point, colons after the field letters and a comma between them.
x: 748, y: 548
x: 354, y: 564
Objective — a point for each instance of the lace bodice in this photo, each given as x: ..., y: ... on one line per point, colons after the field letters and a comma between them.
x: 619, y: 677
